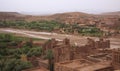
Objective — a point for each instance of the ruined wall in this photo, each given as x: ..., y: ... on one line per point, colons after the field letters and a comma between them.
x: 116, y: 58
x: 49, y: 45
x: 81, y: 52
x: 64, y: 51
x: 61, y: 54
x: 102, y: 43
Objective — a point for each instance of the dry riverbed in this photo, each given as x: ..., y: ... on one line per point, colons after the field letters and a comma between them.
x: 79, y: 40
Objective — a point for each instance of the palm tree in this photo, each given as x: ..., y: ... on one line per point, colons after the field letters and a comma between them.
x: 49, y: 56
x: 13, y: 64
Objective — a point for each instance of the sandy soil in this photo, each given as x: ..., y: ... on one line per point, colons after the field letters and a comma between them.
x: 79, y: 40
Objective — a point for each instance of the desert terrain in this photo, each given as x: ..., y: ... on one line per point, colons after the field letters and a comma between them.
x: 59, y: 42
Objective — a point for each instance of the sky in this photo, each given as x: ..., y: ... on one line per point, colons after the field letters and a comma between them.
x: 59, y: 6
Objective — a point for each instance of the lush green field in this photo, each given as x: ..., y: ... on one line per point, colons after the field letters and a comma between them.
x: 52, y: 26
x: 11, y: 52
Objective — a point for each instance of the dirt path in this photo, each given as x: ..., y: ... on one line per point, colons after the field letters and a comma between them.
x: 80, y: 40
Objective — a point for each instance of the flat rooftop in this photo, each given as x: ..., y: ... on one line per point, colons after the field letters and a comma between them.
x: 36, y: 69
x: 76, y: 63
x: 84, y: 65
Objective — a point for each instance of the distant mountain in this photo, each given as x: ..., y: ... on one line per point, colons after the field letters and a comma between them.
x: 35, y: 13
x: 112, y: 13
x: 11, y: 16
x: 70, y: 14
x: 58, y: 16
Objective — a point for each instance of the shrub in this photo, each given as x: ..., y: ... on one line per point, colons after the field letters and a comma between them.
x: 13, y: 65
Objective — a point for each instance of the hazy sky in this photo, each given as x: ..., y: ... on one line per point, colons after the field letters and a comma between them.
x: 55, y: 6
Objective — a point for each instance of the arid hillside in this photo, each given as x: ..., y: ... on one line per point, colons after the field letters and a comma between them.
x: 106, y: 20
x: 112, y: 13
x: 11, y: 16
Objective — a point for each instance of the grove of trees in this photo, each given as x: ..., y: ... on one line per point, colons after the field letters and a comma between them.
x: 11, y: 55
x: 51, y: 26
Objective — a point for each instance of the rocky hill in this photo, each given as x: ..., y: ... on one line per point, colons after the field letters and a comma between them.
x: 112, y: 13
x: 109, y: 20
x: 58, y: 16
x: 70, y: 14
x: 11, y: 16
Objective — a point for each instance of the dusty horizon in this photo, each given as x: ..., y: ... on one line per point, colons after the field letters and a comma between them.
x: 56, y: 6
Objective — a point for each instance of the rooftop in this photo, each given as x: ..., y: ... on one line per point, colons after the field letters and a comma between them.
x: 84, y: 65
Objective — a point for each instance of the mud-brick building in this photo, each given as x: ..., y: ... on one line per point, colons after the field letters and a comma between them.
x: 61, y: 53
x: 102, y: 43
x: 64, y: 51
x: 50, y: 44
x: 80, y: 52
x: 116, y: 58
x: 67, y: 52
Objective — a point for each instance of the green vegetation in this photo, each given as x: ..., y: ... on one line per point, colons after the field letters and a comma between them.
x: 11, y: 49
x: 83, y: 30
x: 42, y: 25
x: 13, y: 65
x: 52, y: 26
